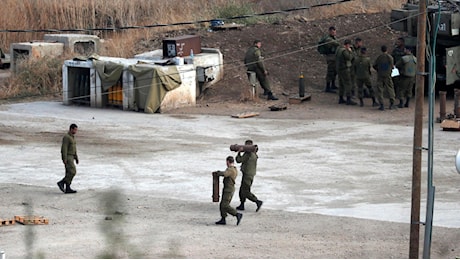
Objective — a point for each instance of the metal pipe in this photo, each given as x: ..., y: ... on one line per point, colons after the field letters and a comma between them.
x: 456, y: 103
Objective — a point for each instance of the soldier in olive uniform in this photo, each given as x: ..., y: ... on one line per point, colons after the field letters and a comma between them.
x: 407, y: 66
x: 331, y: 44
x: 383, y: 65
x: 254, y: 62
x: 248, y: 167
x: 69, y: 155
x: 397, y: 54
x: 344, y: 57
x: 356, y: 48
x: 227, y: 192
x: 362, y: 67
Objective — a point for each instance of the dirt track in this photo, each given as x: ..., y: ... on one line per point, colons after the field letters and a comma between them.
x: 325, y: 183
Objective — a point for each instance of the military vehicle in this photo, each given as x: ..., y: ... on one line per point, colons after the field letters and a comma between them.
x: 447, y: 50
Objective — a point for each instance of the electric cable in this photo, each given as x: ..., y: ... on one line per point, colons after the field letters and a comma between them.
x: 282, y: 53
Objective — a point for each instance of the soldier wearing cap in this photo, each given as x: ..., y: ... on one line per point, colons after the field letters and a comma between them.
x: 344, y: 57
x: 254, y: 62
x: 362, y: 68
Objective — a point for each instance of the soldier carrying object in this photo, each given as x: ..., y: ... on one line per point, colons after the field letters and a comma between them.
x: 248, y: 167
x: 227, y: 192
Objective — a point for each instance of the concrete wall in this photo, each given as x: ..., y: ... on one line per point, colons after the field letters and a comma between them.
x: 24, y: 50
x: 83, y: 44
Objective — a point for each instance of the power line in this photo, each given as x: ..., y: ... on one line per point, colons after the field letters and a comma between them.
x: 295, y: 9
x: 279, y: 54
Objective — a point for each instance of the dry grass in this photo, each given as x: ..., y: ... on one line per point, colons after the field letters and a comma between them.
x: 43, y: 76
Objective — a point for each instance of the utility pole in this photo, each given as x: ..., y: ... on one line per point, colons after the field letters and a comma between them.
x: 418, y: 132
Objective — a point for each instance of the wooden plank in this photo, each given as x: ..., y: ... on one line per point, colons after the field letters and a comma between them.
x: 245, y: 115
x: 295, y: 99
x: 31, y: 220
x: 7, y: 222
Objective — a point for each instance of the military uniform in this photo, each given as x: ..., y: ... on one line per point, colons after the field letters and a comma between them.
x: 254, y: 62
x: 397, y: 54
x: 362, y: 69
x: 227, y: 192
x: 69, y: 156
x: 248, y: 167
x: 331, y: 44
x: 407, y: 70
x: 356, y: 52
x: 344, y: 59
x: 384, y: 65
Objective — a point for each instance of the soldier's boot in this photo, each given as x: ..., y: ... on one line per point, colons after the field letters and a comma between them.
x: 221, y: 222
x: 374, y: 103
x: 341, y: 100
x: 241, y: 206
x: 350, y: 102
x: 392, y: 105
x: 271, y: 96
x: 69, y: 190
x: 60, y: 184
x: 329, y: 88
x: 333, y: 86
x: 407, y: 102
x: 401, y: 103
x: 238, y: 216
x: 381, y: 108
x: 259, y: 205
x: 361, y: 102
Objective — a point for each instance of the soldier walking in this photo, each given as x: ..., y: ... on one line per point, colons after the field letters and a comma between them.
x: 69, y: 155
x: 248, y: 167
x: 384, y: 65
x: 227, y: 192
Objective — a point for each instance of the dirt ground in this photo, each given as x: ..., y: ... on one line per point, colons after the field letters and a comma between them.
x: 122, y: 210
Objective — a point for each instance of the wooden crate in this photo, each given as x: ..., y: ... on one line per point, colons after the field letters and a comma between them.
x: 31, y: 220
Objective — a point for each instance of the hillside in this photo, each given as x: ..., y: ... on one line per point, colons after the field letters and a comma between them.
x: 289, y: 48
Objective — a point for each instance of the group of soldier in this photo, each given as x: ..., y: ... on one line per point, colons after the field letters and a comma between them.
x: 350, y: 63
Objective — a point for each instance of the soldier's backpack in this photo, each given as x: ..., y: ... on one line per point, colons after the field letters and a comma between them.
x: 322, y: 47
